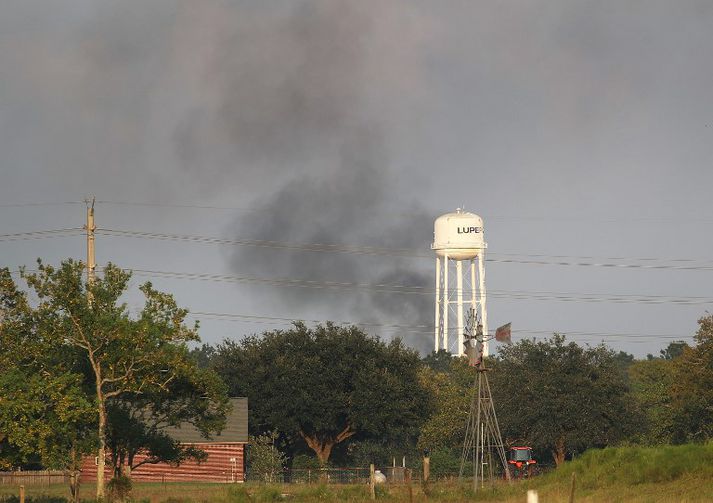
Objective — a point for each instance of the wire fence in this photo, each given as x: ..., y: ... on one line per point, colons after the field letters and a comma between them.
x: 33, y: 478
x: 359, y: 475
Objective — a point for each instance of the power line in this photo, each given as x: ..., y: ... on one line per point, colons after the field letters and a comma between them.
x: 170, y: 205
x: 420, y: 290
x: 417, y: 328
x: 402, y: 252
x: 236, y: 317
x: 72, y: 231
x: 537, y: 218
x: 23, y: 205
x: 313, y: 247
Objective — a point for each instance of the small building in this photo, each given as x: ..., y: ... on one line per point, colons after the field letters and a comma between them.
x: 225, y: 461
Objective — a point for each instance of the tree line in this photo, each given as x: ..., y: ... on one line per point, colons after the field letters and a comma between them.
x: 83, y: 374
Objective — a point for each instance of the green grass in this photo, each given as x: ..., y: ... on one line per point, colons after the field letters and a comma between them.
x: 626, y: 474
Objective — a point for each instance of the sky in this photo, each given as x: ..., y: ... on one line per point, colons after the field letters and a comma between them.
x: 223, y: 140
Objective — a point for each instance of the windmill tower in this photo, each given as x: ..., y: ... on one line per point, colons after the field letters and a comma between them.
x: 483, y: 448
x: 459, y: 243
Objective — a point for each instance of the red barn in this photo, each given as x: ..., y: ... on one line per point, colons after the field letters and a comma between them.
x: 226, y: 454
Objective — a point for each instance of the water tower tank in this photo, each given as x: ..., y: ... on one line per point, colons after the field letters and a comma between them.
x: 459, y: 244
x: 458, y: 235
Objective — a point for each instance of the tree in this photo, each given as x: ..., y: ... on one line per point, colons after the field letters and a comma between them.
x: 137, y: 422
x: 452, y: 390
x: 326, y: 385
x: 439, y: 361
x: 692, y: 387
x: 560, y: 396
x: 203, y: 355
x: 265, y: 461
x: 673, y: 350
x: 48, y: 416
x: 44, y: 410
x: 124, y: 357
x: 650, y: 383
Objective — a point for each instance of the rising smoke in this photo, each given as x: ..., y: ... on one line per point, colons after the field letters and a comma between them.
x: 291, y: 107
x: 309, y: 113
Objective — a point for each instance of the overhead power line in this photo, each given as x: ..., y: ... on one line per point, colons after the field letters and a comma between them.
x: 52, y: 233
x: 534, y: 218
x: 313, y: 247
x: 236, y: 317
x: 402, y: 252
x: 171, y: 205
x: 420, y: 290
x: 23, y: 205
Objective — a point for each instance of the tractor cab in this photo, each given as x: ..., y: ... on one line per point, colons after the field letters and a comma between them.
x: 521, y: 461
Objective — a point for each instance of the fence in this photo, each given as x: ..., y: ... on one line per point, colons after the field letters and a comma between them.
x: 33, y: 478
x: 330, y: 475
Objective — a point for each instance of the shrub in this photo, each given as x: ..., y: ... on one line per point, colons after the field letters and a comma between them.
x: 265, y: 461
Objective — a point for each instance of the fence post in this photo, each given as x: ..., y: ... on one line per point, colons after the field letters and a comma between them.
x: 426, y: 468
x: 22, y: 494
x: 571, y: 491
x: 372, y: 490
x: 532, y: 496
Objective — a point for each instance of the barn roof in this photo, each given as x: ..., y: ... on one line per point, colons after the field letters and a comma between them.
x: 236, y: 427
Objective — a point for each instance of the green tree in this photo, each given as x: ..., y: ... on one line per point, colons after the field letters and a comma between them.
x: 123, y: 357
x: 452, y: 390
x: 650, y: 383
x: 44, y: 410
x: 439, y: 361
x: 48, y: 416
x: 265, y: 461
x: 326, y: 385
x: 203, y: 355
x: 692, y: 387
x: 137, y: 423
x: 673, y: 350
x: 561, y: 396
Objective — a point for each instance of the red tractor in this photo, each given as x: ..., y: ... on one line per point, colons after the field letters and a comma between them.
x: 521, y: 462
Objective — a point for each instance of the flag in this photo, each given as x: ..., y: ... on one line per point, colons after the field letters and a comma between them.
x: 502, y: 334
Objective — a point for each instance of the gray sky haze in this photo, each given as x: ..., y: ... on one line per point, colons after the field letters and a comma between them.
x: 582, y: 132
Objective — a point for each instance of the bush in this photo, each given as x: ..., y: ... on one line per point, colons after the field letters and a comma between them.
x: 445, y: 463
x: 265, y: 461
x: 304, y: 461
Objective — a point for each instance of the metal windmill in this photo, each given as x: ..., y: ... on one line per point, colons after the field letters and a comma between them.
x: 483, y: 446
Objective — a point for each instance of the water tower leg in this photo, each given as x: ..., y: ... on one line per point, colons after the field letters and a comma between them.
x: 438, y: 303
x: 473, y: 300
x: 483, y: 308
x: 446, y: 302
x: 459, y: 305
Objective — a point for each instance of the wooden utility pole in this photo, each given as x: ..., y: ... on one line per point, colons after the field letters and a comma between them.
x: 90, y: 227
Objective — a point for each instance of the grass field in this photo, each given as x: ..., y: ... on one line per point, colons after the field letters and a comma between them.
x: 627, y: 474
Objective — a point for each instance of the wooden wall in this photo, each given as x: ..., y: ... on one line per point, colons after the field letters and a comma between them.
x: 225, y: 463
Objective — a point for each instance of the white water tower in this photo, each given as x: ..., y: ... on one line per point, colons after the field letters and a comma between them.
x: 457, y: 239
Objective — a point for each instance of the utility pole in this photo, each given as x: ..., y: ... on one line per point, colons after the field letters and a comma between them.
x: 90, y: 227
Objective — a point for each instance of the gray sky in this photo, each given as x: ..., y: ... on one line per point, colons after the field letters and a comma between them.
x: 576, y: 129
